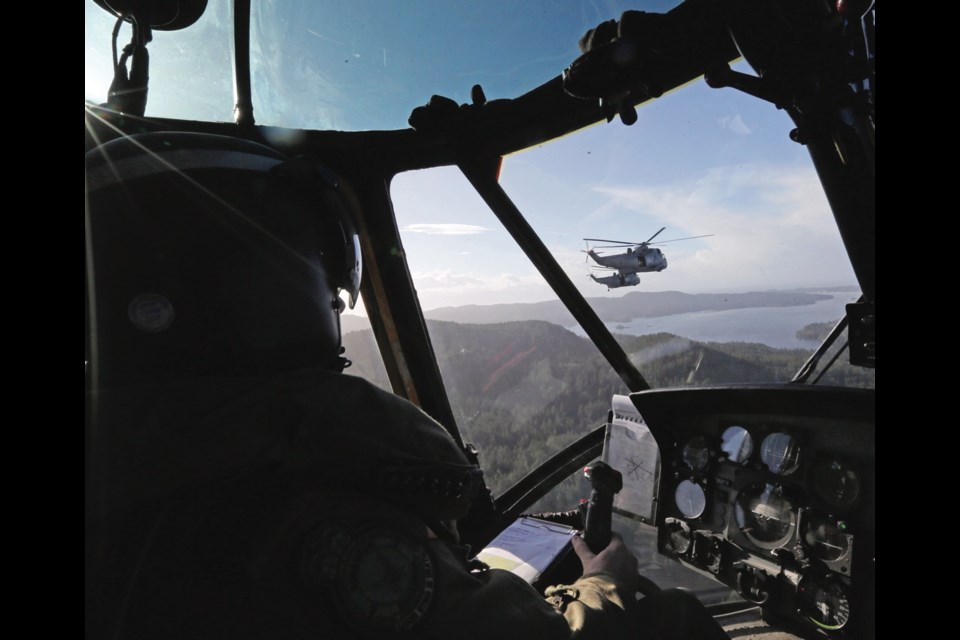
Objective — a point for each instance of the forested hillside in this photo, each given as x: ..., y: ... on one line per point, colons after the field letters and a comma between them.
x: 522, y: 390
x: 816, y: 331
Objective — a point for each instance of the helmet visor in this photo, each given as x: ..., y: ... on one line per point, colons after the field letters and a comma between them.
x: 354, y: 268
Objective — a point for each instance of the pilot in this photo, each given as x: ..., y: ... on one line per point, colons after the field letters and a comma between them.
x: 238, y: 484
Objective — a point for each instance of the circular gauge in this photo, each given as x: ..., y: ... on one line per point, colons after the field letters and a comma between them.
x: 824, y: 603
x: 737, y: 443
x: 781, y: 453
x: 825, y: 537
x: 696, y: 453
x: 691, y: 499
x: 835, y: 483
x: 765, y: 515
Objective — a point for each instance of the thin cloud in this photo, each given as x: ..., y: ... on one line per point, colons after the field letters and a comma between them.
x: 773, y: 229
x: 446, y: 229
x: 448, y: 278
x: 449, y: 288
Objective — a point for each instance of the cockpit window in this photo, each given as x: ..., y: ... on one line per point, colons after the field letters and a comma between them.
x: 746, y: 299
x: 748, y: 273
x: 190, y: 69
x: 352, y: 65
x: 520, y: 384
x: 361, y: 349
x: 367, y: 65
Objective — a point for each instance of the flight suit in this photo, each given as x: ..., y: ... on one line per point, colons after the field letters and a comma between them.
x: 296, y: 506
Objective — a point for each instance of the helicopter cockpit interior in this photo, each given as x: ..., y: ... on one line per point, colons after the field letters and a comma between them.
x: 475, y: 147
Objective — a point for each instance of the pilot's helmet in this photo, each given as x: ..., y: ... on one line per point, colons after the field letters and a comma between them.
x: 208, y: 255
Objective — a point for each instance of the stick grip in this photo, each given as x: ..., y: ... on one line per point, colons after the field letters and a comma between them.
x: 606, y: 481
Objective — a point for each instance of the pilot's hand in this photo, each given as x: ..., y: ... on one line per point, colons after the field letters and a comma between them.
x: 616, y: 561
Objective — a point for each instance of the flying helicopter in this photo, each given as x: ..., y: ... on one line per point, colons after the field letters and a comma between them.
x: 617, y: 280
x: 639, y: 257
x: 807, y: 560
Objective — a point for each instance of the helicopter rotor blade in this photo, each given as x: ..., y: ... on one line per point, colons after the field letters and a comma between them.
x: 687, y: 238
x: 619, y: 242
x: 654, y: 235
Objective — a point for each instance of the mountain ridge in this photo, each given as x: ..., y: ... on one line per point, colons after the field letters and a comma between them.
x: 636, y: 304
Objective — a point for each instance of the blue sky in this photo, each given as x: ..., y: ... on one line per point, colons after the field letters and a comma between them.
x: 698, y: 161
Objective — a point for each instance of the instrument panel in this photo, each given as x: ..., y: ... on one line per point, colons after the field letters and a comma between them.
x: 770, y: 490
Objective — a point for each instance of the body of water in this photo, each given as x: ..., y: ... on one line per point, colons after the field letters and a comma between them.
x: 773, y: 326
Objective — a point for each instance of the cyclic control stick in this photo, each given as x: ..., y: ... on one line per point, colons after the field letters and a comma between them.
x: 606, y: 481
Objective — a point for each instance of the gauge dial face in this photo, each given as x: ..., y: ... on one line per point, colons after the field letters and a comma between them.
x: 781, y: 453
x: 765, y: 516
x: 825, y: 537
x: 696, y: 453
x: 691, y: 499
x: 737, y: 443
x: 825, y: 603
x: 835, y: 483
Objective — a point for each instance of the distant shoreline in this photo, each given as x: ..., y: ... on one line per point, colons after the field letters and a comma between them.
x: 622, y: 313
x: 777, y: 327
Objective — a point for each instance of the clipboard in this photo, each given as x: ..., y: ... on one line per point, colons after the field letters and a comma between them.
x: 630, y: 448
x: 527, y: 547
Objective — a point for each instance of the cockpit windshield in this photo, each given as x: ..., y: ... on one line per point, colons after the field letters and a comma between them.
x: 353, y: 66
x: 748, y: 304
x: 748, y: 297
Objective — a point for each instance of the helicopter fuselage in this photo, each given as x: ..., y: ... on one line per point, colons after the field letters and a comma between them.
x: 618, y: 280
x: 640, y: 260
